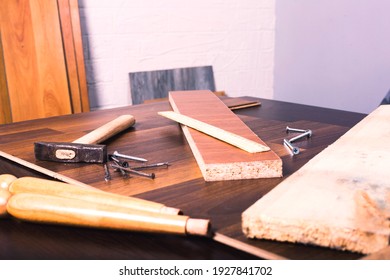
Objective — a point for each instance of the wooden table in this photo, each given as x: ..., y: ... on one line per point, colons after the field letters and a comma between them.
x: 180, y: 185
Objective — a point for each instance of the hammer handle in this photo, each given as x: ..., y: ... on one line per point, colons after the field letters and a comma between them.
x: 107, y: 130
x: 54, y: 188
x: 66, y: 211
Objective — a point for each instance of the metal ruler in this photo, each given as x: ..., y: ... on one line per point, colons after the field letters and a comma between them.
x: 216, y: 132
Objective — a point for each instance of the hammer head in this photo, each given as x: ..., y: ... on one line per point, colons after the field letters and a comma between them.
x: 70, y: 152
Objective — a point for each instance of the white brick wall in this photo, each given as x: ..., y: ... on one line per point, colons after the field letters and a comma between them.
x: 236, y: 37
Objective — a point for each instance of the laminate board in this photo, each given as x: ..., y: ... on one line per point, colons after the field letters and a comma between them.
x: 35, y: 65
x: 156, y: 84
x: 218, y: 160
x: 5, y: 108
x: 339, y: 199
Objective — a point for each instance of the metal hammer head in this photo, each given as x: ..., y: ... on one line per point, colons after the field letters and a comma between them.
x: 70, y: 152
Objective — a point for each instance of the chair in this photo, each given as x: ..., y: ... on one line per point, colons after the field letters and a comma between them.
x: 386, y: 99
x: 150, y: 85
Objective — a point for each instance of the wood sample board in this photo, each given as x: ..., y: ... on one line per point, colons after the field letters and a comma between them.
x: 155, y: 84
x: 42, y: 71
x: 218, y: 160
x: 339, y: 199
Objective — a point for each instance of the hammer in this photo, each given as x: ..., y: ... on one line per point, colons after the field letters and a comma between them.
x: 86, y: 148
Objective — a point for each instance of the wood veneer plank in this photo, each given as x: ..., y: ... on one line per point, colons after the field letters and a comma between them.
x: 5, y: 107
x: 79, y: 54
x: 340, y: 199
x: 35, y: 67
x: 70, y: 58
x: 218, y: 160
x: 53, y: 82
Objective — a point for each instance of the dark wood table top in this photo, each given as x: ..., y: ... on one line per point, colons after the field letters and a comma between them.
x: 180, y: 185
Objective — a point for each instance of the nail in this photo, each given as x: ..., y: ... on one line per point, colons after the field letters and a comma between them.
x: 160, y: 164
x: 307, y: 133
x: 132, y: 171
x: 124, y: 173
x: 290, y: 129
x: 129, y: 157
x: 116, y: 166
x: 118, y: 161
x: 107, y: 175
x: 294, y: 150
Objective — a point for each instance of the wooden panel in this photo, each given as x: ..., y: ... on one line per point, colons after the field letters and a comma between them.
x: 218, y: 160
x: 79, y: 52
x: 73, y: 48
x: 239, y: 103
x: 339, y: 199
x: 156, y: 84
x: 34, y: 59
x: 5, y: 108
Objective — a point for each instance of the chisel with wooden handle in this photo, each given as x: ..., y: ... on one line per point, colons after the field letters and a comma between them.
x: 100, y: 217
x: 48, y: 187
x: 5, y: 182
x: 40, y: 208
x: 86, y: 148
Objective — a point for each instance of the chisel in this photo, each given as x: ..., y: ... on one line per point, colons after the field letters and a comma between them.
x: 48, y: 187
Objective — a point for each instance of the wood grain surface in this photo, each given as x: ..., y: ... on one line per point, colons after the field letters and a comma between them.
x: 42, y: 69
x: 181, y: 185
x: 35, y: 65
x: 5, y: 108
x: 74, y: 55
x: 219, y: 160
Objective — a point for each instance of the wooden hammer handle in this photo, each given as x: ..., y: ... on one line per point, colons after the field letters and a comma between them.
x: 65, y: 211
x: 109, y: 129
x: 54, y: 188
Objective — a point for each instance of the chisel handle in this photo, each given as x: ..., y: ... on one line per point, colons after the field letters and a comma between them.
x: 4, y: 197
x: 107, y: 130
x: 5, y: 181
x: 73, y: 212
x: 54, y: 188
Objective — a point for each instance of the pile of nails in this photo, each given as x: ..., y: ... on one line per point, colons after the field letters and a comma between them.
x: 303, y: 133
x: 120, y: 164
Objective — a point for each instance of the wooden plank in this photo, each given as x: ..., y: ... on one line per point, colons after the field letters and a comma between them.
x: 79, y: 54
x: 239, y: 103
x: 216, y: 132
x: 156, y: 84
x: 70, y: 58
x: 34, y: 60
x: 218, y: 160
x: 383, y: 254
x: 340, y: 199
x: 5, y: 106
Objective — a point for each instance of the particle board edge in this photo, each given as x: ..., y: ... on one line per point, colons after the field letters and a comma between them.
x: 237, y: 170
x: 339, y: 199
